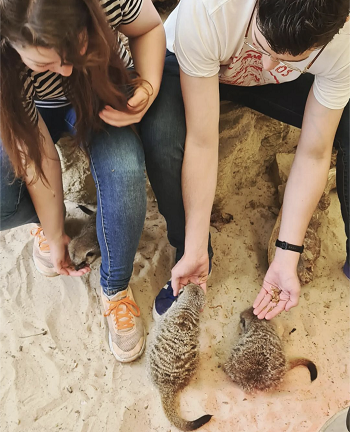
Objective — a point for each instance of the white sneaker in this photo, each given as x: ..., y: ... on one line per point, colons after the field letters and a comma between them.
x: 127, y: 336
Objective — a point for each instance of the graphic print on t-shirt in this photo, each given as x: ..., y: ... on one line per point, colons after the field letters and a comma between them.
x: 246, y: 69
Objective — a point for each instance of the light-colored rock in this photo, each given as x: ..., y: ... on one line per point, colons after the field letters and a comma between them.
x: 78, y: 183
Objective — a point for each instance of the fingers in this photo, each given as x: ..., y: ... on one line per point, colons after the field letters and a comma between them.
x: 70, y: 271
x: 78, y: 273
x: 203, y: 286
x: 266, y: 300
x: 291, y: 303
x: 272, y: 310
x: 259, y: 298
x: 138, y: 100
x: 120, y: 119
x: 175, y: 283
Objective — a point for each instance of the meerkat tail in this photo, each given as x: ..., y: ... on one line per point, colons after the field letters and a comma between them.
x: 304, y: 362
x: 170, y: 406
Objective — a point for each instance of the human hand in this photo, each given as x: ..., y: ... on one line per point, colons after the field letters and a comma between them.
x: 61, y: 260
x: 193, y: 269
x: 280, y: 291
x: 119, y: 118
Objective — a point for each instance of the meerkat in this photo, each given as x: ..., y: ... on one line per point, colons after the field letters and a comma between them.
x: 84, y: 248
x: 173, y: 354
x: 257, y: 361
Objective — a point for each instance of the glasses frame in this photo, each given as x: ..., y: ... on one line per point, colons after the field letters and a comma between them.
x: 286, y: 64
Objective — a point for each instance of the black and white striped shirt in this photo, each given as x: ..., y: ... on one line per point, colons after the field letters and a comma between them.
x: 45, y: 90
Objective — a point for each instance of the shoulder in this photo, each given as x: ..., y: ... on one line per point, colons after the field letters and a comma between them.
x: 332, y: 71
x: 121, y: 11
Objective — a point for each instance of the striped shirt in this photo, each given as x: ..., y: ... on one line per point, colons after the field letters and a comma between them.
x: 45, y: 89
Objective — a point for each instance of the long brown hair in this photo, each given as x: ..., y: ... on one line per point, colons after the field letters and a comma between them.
x: 99, y: 76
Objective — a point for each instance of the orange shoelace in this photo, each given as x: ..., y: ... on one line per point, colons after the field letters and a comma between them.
x: 123, y: 315
x: 43, y: 245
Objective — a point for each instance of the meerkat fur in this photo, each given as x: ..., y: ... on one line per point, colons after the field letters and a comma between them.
x: 174, y: 354
x: 257, y: 361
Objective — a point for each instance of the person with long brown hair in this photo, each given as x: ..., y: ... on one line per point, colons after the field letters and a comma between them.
x: 65, y: 69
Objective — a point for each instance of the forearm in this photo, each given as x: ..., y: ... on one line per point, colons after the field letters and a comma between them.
x: 308, y: 174
x: 48, y: 199
x: 148, y: 52
x: 304, y: 189
x: 199, y: 172
x: 199, y: 176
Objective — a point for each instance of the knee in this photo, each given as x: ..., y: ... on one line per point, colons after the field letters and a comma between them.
x: 117, y: 155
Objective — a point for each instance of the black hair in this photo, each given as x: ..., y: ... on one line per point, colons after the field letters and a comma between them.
x: 295, y: 26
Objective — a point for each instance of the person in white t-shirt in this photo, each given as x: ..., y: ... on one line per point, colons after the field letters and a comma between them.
x: 238, y: 50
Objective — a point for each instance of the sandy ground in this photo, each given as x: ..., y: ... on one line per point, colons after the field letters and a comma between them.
x: 67, y: 380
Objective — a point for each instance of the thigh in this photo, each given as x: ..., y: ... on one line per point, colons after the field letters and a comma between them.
x: 163, y: 128
x: 284, y: 102
x: 117, y: 163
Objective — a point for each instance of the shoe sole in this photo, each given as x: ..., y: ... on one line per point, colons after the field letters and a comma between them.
x: 131, y: 359
x: 155, y: 314
x: 47, y: 274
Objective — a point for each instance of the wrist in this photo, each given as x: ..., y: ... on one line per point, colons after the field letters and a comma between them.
x: 199, y: 254
x: 287, y: 258
x: 56, y: 238
x: 289, y: 246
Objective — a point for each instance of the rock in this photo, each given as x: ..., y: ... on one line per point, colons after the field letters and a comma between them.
x: 78, y: 184
x: 249, y: 142
x: 218, y: 219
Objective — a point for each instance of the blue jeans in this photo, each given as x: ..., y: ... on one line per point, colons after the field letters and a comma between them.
x: 118, y: 158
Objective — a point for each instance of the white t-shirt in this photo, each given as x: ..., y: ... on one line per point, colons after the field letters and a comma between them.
x: 207, y: 37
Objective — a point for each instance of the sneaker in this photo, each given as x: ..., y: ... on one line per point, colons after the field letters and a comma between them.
x: 165, y: 299
x: 346, y: 269
x: 41, y: 253
x: 126, y: 332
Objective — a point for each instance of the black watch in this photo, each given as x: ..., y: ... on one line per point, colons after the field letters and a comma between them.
x: 288, y: 246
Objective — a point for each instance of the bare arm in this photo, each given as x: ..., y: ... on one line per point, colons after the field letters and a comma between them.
x: 305, y: 186
x: 147, y: 44
x: 48, y: 203
x: 199, y: 175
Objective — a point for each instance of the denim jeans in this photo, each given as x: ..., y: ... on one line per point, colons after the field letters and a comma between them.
x: 117, y: 159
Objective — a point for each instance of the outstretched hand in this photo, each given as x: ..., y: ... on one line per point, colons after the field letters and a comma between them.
x: 61, y: 260
x: 280, y: 291
x: 188, y: 270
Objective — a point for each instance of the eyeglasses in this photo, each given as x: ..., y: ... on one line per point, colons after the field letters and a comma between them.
x: 288, y: 65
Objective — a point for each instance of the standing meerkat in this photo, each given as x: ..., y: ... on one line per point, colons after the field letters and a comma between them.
x: 257, y: 361
x: 173, y: 355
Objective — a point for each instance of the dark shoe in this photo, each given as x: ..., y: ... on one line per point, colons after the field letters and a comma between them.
x: 165, y: 299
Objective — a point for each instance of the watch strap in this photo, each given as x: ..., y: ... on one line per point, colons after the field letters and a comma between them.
x: 288, y: 246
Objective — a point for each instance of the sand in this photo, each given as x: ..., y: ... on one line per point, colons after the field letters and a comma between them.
x: 67, y: 380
